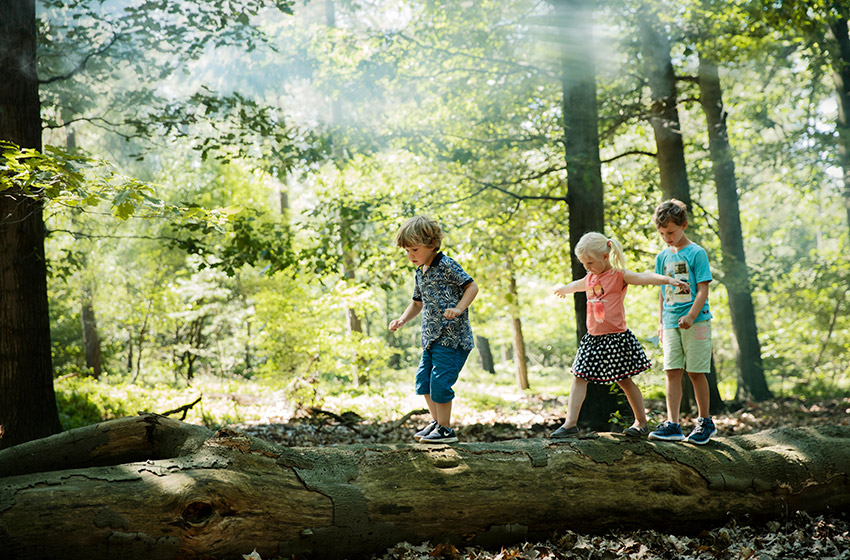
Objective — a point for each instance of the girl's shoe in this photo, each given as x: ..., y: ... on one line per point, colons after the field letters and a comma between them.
x: 425, y: 431
x: 563, y: 432
x: 637, y: 431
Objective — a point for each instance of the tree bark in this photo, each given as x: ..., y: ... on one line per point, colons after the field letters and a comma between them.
x: 751, y: 381
x: 154, y: 488
x: 27, y: 401
x: 584, y: 169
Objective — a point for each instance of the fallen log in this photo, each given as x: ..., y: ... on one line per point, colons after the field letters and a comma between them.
x: 151, y: 487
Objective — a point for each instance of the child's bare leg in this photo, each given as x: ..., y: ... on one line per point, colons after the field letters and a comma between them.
x: 577, y: 394
x: 701, y: 393
x: 432, y: 408
x: 674, y: 394
x: 444, y: 413
x: 635, y: 398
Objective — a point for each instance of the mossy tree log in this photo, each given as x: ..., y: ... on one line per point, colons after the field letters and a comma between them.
x: 150, y: 488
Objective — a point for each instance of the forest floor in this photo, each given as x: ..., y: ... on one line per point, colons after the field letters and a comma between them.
x: 799, y: 535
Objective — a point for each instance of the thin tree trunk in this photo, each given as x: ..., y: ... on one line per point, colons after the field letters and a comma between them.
x: 584, y: 170
x: 520, y: 360
x: 751, y: 380
x: 153, y: 488
x: 27, y: 400
x: 91, y: 340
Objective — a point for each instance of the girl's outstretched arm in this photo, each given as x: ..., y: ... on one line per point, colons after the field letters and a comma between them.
x: 571, y: 288
x: 651, y: 278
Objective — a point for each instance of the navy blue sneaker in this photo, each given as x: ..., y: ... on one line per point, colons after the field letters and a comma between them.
x: 440, y: 434
x: 425, y: 431
x: 667, y: 431
x: 703, y: 431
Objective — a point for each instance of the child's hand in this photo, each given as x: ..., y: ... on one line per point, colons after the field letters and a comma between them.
x: 680, y: 284
x: 396, y: 324
x: 685, y: 322
x: 561, y: 291
x: 452, y: 312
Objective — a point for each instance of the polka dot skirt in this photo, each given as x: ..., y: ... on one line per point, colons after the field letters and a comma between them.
x: 611, y: 357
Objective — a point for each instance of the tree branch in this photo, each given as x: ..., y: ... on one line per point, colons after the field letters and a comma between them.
x: 81, y: 66
x: 630, y: 153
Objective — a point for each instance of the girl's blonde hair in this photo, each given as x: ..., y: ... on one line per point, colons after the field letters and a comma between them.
x: 595, y: 245
x: 420, y: 230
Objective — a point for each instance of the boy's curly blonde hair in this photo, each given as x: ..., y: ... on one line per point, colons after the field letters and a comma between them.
x: 419, y: 230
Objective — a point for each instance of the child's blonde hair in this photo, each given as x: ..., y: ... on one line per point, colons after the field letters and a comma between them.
x: 419, y: 230
x: 595, y: 245
x: 672, y: 210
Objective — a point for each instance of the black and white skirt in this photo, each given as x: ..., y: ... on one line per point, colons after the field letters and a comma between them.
x: 606, y: 358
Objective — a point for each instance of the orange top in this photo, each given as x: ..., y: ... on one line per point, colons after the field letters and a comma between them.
x: 605, y: 293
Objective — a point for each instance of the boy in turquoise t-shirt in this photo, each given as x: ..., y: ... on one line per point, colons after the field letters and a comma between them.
x: 684, y: 323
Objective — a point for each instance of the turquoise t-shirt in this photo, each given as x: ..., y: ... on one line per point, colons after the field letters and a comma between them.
x: 690, y: 261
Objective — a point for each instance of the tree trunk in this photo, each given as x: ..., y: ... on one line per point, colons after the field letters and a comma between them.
x: 153, y: 488
x: 751, y: 381
x: 841, y: 78
x: 664, y: 112
x: 91, y: 340
x: 584, y: 172
x: 27, y: 401
x: 670, y: 146
x: 485, y: 353
x: 520, y: 360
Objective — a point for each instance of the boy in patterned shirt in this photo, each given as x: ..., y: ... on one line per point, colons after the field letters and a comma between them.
x: 443, y: 294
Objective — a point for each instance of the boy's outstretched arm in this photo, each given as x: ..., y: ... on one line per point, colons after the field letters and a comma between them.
x: 469, y: 293
x: 412, y: 311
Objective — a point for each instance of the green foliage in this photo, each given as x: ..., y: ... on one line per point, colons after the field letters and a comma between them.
x: 453, y: 109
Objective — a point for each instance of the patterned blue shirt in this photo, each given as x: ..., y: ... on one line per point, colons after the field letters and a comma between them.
x: 439, y: 288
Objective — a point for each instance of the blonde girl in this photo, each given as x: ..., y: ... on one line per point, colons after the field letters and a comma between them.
x: 608, y: 352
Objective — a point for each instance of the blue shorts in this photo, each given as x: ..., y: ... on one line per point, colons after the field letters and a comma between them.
x: 438, y: 371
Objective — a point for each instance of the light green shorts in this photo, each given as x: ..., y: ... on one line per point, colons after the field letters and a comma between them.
x: 688, y: 349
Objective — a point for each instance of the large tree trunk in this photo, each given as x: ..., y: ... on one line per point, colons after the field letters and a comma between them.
x: 751, y: 381
x: 27, y: 401
x: 841, y: 78
x: 584, y: 169
x: 664, y: 111
x: 152, y: 488
x: 670, y: 146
